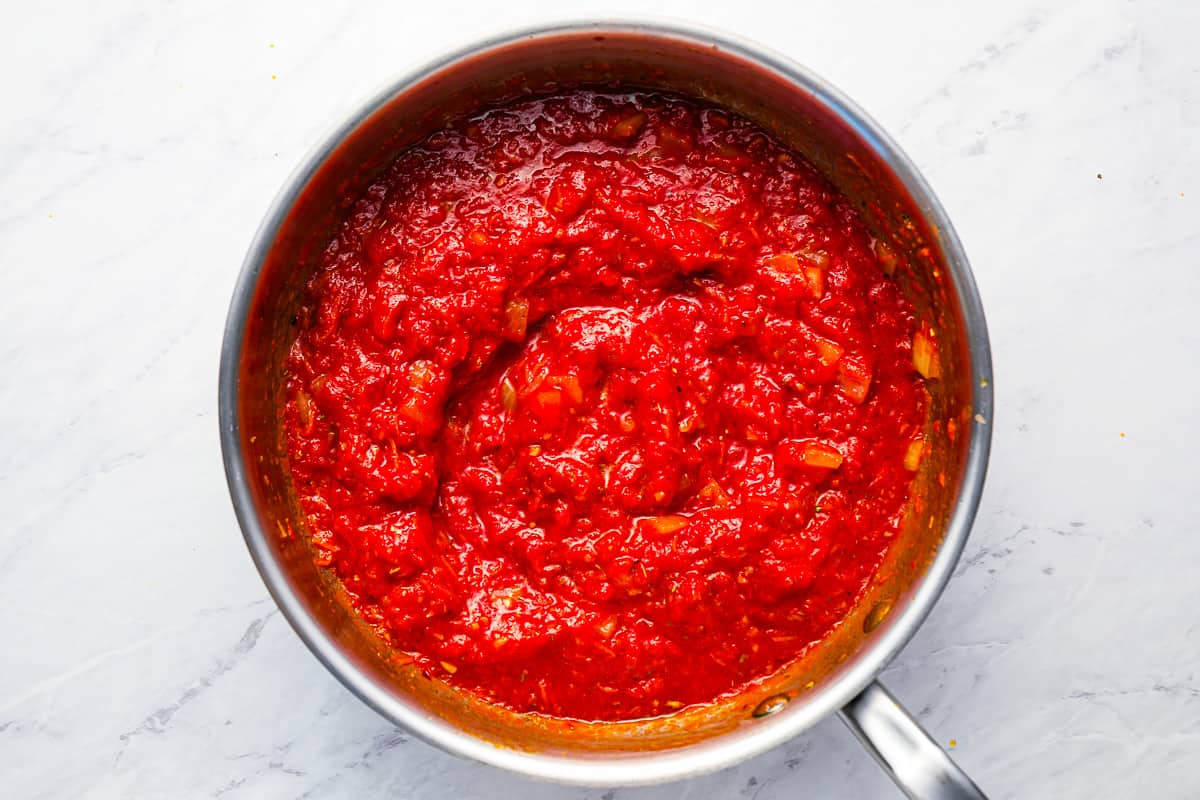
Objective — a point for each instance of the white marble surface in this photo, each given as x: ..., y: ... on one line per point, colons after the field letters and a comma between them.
x: 141, y: 145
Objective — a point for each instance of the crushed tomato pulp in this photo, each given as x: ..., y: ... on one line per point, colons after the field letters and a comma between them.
x: 603, y: 405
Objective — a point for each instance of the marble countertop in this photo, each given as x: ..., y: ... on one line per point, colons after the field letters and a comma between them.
x: 143, y: 143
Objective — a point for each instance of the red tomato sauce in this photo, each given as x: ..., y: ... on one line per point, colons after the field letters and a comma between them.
x: 600, y: 405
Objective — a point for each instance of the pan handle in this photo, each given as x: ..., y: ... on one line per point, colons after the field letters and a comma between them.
x: 922, y: 769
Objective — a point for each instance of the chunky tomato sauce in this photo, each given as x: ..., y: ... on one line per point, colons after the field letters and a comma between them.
x: 602, y: 405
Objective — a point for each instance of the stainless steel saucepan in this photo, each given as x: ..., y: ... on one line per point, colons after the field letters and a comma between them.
x: 836, y: 677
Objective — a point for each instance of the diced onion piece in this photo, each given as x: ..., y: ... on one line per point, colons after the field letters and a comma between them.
x: 828, y: 351
x: 811, y: 264
x: 420, y: 408
x: 424, y: 418
x: 546, y: 404
x: 508, y: 395
x: 924, y: 351
x: 854, y: 388
x: 815, y: 276
x: 570, y: 385
x: 446, y: 665
x: 712, y: 493
x: 887, y: 257
x: 516, y: 317
x: 305, y: 411
x: 854, y: 379
x: 607, y: 628
x: 819, y: 454
x: 784, y: 262
x: 628, y: 126
x: 548, y: 400
x: 668, y: 523
x: 912, y: 456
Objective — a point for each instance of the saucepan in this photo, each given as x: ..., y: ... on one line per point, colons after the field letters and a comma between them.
x: 839, y: 675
